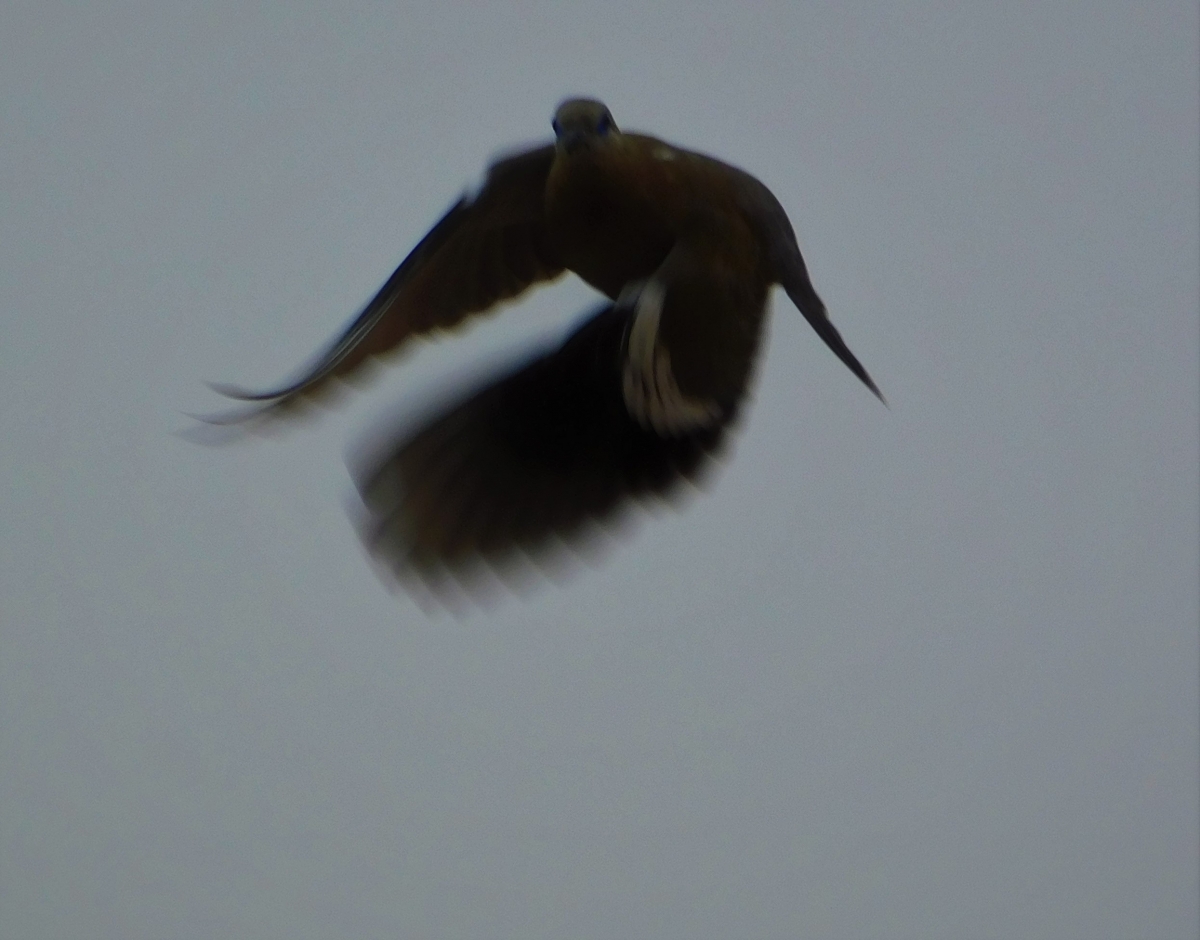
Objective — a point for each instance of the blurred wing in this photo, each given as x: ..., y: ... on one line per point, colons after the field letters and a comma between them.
x: 533, y: 459
x: 486, y: 249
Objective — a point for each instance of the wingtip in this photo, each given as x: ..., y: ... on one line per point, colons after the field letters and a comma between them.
x: 834, y: 340
x: 238, y: 393
x: 870, y: 383
x: 225, y: 419
x: 813, y: 310
x: 215, y: 429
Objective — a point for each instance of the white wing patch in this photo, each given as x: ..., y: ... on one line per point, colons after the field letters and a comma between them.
x: 651, y: 393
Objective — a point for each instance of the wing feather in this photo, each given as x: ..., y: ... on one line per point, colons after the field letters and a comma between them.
x: 538, y: 457
x: 486, y: 249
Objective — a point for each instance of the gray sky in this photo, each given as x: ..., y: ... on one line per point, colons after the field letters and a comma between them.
x: 922, y: 672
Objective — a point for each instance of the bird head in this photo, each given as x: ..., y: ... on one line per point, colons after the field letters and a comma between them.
x: 581, y: 122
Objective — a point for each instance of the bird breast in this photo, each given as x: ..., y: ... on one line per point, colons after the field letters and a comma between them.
x: 606, y: 227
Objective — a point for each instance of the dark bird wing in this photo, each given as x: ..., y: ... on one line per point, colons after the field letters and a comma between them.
x: 533, y: 459
x: 802, y: 293
x: 761, y: 205
x: 486, y: 249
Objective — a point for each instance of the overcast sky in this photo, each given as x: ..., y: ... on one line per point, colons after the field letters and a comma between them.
x: 926, y: 672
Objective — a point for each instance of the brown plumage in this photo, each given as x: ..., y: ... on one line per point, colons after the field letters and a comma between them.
x: 687, y: 249
x: 524, y: 462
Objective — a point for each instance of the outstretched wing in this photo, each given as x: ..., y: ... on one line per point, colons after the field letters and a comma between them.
x: 799, y: 288
x: 535, y: 458
x: 486, y: 249
x: 760, y: 204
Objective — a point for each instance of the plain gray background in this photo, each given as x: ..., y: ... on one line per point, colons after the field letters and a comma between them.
x: 927, y: 672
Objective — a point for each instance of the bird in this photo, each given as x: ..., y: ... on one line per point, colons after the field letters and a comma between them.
x: 632, y: 404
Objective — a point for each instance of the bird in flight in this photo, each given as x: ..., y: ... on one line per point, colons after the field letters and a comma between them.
x: 635, y: 401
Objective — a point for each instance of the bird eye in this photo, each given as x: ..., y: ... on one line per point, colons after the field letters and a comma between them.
x: 604, y: 126
x: 554, y: 125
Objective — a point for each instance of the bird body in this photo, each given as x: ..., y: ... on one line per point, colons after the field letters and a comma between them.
x: 615, y: 213
x: 685, y: 247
